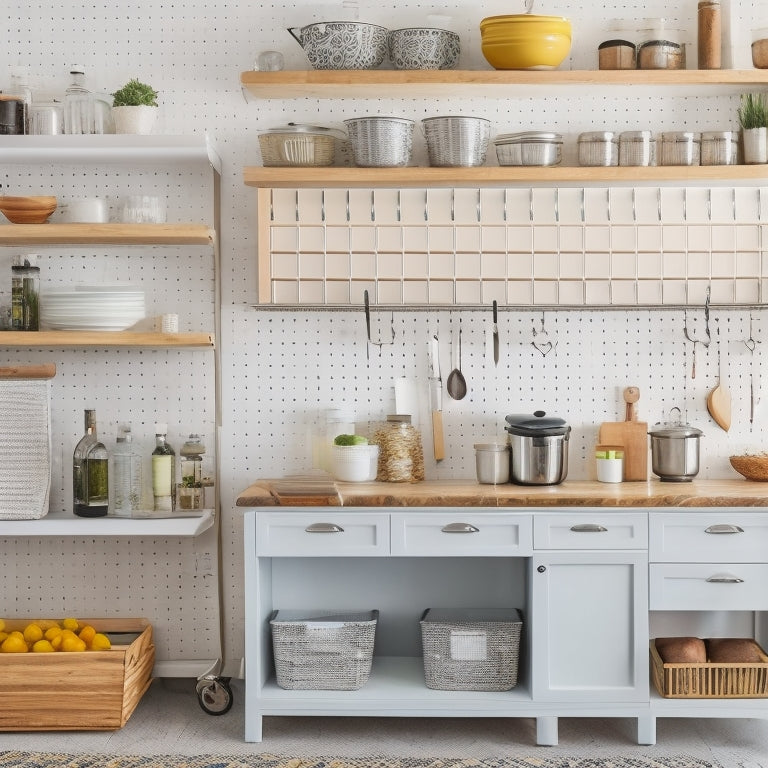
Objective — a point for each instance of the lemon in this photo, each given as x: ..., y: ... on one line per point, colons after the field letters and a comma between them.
x: 86, y: 634
x: 43, y: 646
x: 72, y: 644
x: 56, y: 642
x: 100, y: 642
x: 3, y: 635
x: 14, y: 643
x: 72, y: 624
x: 33, y: 633
x: 52, y: 632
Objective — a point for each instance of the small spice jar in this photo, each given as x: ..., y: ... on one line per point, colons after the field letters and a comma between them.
x: 709, y: 35
x: 401, y: 455
x: 637, y: 148
x: 598, y: 148
x: 720, y: 148
x: 680, y: 148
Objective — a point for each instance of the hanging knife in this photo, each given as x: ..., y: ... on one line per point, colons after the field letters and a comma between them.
x: 436, y: 398
x: 495, y: 332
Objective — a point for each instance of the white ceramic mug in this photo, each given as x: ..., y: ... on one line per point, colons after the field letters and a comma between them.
x: 85, y: 210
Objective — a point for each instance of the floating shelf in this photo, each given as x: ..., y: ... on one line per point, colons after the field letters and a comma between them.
x: 494, y: 176
x: 106, y: 234
x: 129, y: 339
x: 67, y: 524
x: 417, y: 84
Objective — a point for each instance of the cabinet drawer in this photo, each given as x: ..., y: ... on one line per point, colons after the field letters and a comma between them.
x: 461, y: 532
x: 708, y: 537
x: 591, y: 530
x: 322, y: 534
x: 706, y: 587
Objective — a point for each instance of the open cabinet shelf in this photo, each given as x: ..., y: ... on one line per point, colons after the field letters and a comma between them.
x: 106, y: 234
x: 130, y: 339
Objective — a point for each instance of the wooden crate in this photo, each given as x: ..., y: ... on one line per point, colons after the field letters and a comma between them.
x: 709, y: 681
x: 66, y: 691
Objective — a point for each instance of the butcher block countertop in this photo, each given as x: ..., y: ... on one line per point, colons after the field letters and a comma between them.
x: 311, y: 491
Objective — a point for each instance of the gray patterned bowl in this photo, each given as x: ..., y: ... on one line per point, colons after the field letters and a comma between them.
x: 423, y: 48
x: 342, y: 44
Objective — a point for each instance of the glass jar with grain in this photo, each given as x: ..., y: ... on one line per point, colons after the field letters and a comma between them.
x: 401, y: 456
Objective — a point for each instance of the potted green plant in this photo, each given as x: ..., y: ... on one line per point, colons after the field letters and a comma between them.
x: 753, y: 118
x: 134, y: 107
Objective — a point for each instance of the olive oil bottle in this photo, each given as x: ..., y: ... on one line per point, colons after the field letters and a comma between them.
x: 163, y: 471
x: 90, y: 472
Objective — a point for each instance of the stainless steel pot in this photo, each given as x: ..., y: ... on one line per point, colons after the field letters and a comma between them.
x: 675, y: 451
x: 539, y: 448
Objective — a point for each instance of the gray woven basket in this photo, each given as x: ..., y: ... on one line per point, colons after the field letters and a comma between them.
x: 323, y: 651
x: 471, y: 649
x: 381, y: 142
x: 456, y: 141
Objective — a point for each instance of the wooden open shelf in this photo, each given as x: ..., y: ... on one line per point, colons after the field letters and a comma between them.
x: 106, y: 234
x: 129, y: 339
x: 383, y: 83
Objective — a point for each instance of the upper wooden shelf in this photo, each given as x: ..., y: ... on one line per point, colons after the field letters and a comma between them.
x: 489, y: 176
x: 107, y: 234
x: 133, y: 339
x: 385, y: 83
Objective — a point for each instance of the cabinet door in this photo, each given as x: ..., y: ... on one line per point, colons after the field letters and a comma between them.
x: 589, y: 634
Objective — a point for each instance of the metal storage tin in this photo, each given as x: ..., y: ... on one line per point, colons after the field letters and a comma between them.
x: 529, y: 148
x: 675, y: 451
x: 598, y: 148
x: 492, y: 462
x: 680, y: 148
x: 456, y: 141
x: 637, y: 148
x: 539, y: 446
x: 720, y: 148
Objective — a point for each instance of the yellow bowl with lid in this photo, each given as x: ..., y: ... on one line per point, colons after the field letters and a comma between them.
x: 525, y: 41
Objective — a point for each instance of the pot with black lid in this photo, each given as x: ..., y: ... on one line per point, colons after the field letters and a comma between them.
x: 539, y: 448
x: 675, y: 450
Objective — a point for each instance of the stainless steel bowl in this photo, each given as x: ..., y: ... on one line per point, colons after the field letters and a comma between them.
x: 423, y: 48
x: 342, y: 44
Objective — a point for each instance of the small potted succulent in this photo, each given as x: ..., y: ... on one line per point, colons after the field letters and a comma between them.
x: 753, y: 118
x: 134, y: 108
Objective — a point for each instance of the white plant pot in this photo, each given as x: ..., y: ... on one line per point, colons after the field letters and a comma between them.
x: 755, y: 141
x: 139, y: 119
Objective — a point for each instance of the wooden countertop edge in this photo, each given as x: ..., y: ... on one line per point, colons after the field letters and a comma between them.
x: 703, y: 493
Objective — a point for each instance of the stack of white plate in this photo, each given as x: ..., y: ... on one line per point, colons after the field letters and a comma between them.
x: 91, y: 308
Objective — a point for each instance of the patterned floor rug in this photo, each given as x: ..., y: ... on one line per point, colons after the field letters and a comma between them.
x: 53, y: 760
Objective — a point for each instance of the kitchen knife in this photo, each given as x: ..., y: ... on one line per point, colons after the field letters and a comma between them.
x: 436, y: 400
x: 495, y: 333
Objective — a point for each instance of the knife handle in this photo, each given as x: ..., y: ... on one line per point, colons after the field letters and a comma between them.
x: 437, y: 435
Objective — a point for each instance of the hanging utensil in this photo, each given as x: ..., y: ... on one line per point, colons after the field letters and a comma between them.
x: 436, y: 400
x: 719, y: 399
x: 495, y: 333
x: 456, y: 384
x: 751, y: 345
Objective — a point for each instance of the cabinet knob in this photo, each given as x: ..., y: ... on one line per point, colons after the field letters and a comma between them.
x: 588, y: 528
x: 724, y: 528
x: 459, y: 528
x: 324, y: 528
x: 541, y: 568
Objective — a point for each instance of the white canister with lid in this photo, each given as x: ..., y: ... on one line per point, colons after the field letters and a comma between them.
x: 492, y: 463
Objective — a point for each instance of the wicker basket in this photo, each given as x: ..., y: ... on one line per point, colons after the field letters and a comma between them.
x: 323, y: 651
x: 456, y: 142
x: 381, y: 142
x: 710, y: 680
x: 751, y: 467
x: 471, y: 649
x: 296, y: 149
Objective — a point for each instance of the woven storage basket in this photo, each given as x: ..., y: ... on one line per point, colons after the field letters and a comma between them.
x: 751, y: 467
x: 381, y: 142
x: 456, y: 141
x: 323, y: 651
x: 471, y: 649
x: 25, y: 449
x: 709, y: 681
x: 296, y: 149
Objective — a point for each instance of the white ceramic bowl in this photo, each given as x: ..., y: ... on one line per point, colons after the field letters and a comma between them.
x: 354, y: 463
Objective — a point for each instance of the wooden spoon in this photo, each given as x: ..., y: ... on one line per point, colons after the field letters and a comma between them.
x: 719, y: 399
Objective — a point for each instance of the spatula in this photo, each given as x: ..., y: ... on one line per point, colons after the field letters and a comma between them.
x: 719, y: 399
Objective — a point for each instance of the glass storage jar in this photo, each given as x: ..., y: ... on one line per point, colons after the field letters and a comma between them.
x: 618, y: 49
x: 401, y: 456
x: 660, y: 46
x: 598, y: 148
x: 680, y: 148
x: 720, y: 148
x: 637, y: 148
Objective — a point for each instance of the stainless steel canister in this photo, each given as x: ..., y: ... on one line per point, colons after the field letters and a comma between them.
x: 492, y: 462
x: 598, y: 148
x: 675, y: 451
x: 680, y: 148
x: 541, y: 148
x: 637, y: 148
x: 720, y: 148
x: 539, y: 448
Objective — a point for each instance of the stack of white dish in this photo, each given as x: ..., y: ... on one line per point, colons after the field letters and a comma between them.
x: 91, y: 308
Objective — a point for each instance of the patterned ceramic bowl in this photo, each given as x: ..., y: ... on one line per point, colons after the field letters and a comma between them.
x: 423, y: 48
x: 342, y: 44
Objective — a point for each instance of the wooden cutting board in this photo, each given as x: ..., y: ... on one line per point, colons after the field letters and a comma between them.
x: 632, y: 435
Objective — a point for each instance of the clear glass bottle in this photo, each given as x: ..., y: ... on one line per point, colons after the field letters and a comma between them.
x: 401, y: 455
x: 190, y: 495
x: 25, y: 294
x: 90, y: 472
x: 79, y: 107
x: 127, y: 476
x: 163, y: 471
x: 20, y: 87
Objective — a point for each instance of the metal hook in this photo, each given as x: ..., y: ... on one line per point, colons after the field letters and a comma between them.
x: 608, y: 204
x: 453, y: 204
x: 271, y: 204
x: 546, y: 345
x: 557, y: 204
x: 373, y: 205
x: 634, y: 204
x: 530, y: 204
x: 479, y: 206
x: 426, y: 205
x: 296, y: 204
x: 685, y: 204
x: 708, y: 338
x: 348, y: 212
x: 583, y: 205
x: 658, y: 203
x: 322, y: 205
x: 379, y: 344
x: 397, y: 213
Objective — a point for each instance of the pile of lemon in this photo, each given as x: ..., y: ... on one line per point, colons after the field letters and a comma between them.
x: 49, y: 636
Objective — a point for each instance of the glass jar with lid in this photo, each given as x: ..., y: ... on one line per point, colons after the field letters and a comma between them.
x: 680, y: 148
x: 720, y: 148
x: 618, y: 49
x: 598, y: 148
x: 637, y: 148
x: 401, y: 455
x: 660, y: 46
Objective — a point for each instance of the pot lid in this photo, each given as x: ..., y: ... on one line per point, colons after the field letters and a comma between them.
x: 536, y: 424
x: 307, y: 128
x: 665, y: 429
x: 525, y: 136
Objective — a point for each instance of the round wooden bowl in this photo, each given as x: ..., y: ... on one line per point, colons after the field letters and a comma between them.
x: 32, y: 209
x: 751, y: 467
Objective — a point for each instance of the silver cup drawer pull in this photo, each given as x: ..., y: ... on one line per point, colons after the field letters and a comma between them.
x: 459, y: 528
x: 724, y: 528
x: 588, y: 528
x: 324, y: 528
x: 724, y: 578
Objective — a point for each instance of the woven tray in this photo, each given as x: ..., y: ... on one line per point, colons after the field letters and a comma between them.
x: 709, y: 681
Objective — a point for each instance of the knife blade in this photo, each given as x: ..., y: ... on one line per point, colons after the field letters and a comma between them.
x: 495, y: 333
x: 436, y: 398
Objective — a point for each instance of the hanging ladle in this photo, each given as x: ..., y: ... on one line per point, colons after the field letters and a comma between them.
x: 456, y: 383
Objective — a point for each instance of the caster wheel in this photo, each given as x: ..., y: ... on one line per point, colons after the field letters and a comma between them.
x: 214, y: 695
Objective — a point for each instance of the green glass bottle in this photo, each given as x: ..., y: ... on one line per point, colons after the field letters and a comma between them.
x: 90, y: 472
